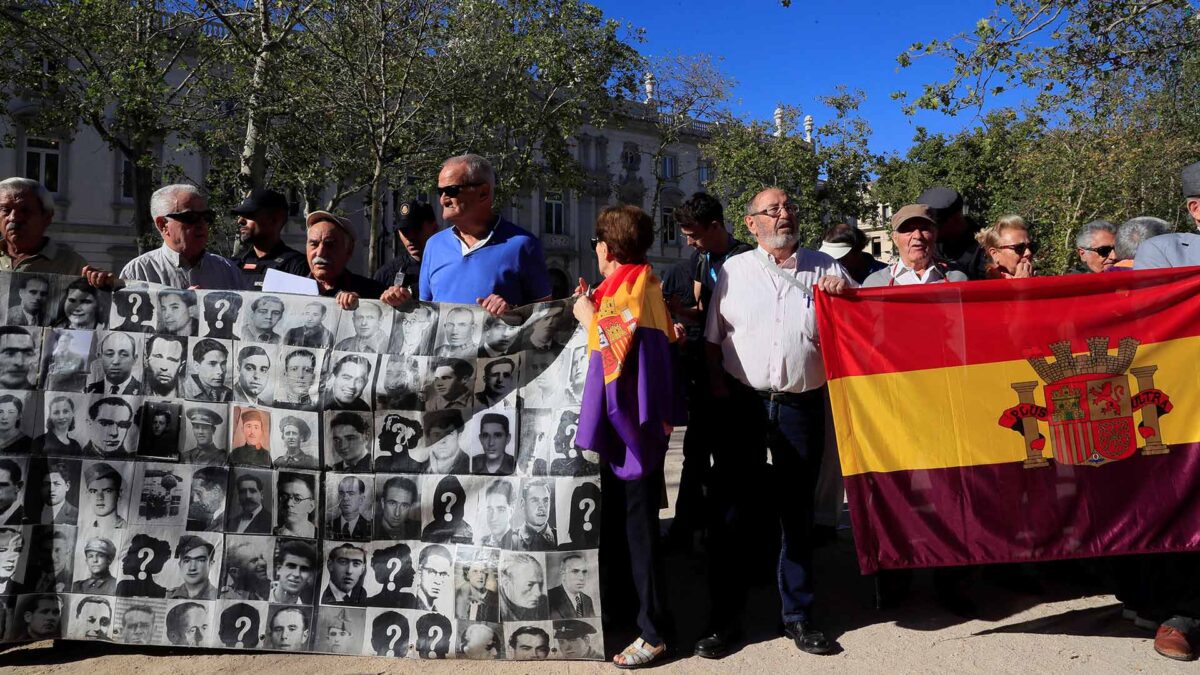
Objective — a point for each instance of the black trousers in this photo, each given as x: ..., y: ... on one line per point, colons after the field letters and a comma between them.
x: 631, y: 549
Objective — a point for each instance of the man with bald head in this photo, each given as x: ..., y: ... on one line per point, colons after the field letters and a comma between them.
x: 118, y: 354
x: 767, y: 372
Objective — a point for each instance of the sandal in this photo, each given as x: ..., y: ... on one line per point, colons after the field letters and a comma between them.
x: 639, y: 654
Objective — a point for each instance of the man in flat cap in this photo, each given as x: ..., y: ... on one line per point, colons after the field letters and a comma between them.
x: 575, y: 639
x: 1178, y: 249
x: 261, y: 217
x: 329, y: 245
x: 204, y: 425
x: 295, y: 432
x: 253, y: 451
x: 956, y: 233
x: 98, y: 554
x: 195, y: 556
x: 415, y: 224
x: 915, y: 233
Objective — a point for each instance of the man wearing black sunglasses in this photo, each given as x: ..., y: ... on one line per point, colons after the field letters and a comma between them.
x: 182, y: 218
x: 1096, y: 245
x: 482, y: 258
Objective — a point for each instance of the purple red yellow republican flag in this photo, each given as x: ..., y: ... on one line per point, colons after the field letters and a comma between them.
x: 1018, y: 420
x: 631, y: 397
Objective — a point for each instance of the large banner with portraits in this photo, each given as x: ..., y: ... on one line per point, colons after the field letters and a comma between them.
x: 268, y: 471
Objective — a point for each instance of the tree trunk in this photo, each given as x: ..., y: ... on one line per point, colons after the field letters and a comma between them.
x: 254, y: 149
x: 376, y: 217
x: 143, y: 187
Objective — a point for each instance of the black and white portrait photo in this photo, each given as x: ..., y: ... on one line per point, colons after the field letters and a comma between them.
x: 541, y: 378
x: 13, y: 472
x: 261, y: 322
x: 57, y: 501
x: 496, y: 382
x: 349, y: 504
x: 288, y: 628
x: 537, y: 531
x: 500, y: 335
x: 480, y: 641
x: 159, y: 436
x: 349, y: 384
x: 577, y: 369
x: 433, y: 635
x: 106, y: 493
x: 190, y: 623
x: 296, y: 378
x: 492, y: 442
x: 345, y: 571
x: 458, y: 332
x: 110, y: 426
x: 254, y: 375
x: 367, y: 329
x: 205, y: 434
x: 197, y: 561
x: 50, y: 562
x: 476, y: 593
x: 389, y: 581
x: 433, y: 588
x: 251, y: 501
x: 251, y: 437
x: 400, y: 443
x: 444, y: 442
x: 116, y: 364
x: 294, y: 439
x: 146, y: 551
x: 140, y: 620
x: 219, y: 313
x: 549, y: 327
x: 175, y: 312
x: 413, y: 330
x: 89, y: 616
x: 390, y: 633
x: 496, y: 516
x: 295, y: 572
x: 19, y: 414
x: 19, y: 360
x: 573, y: 578
x: 16, y: 548
x: 445, y: 503
x: 297, y: 503
x: 248, y: 571
x: 348, y: 441
x: 340, y: 630
x: 399, y: 387
x: 397, y: 508
x: 162, y: 492
x: 164, y: 369
x: 310, y: 322
x: 536, y: 434
x: 39, y: 616
x: 65, y: 359
x: 94, y: 562
x: 523, y: 586
x: 578, y: 639
x: 208, y: 376
x: 81, y: 305
x: 63, y: 416
x: 578, y: 512
x: 206, y: 509
x: 450, y: 385
x: 132, y: 311
x: 29, y: 300
x: 241, y: 624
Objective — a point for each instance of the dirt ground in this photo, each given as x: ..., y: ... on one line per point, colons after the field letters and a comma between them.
x: 1066, y: 626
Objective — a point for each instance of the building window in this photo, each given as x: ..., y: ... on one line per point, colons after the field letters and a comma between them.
x: 126, y: 179
x: 42, y: 161
x: 552, y: 208
x: 705, y: 173
x: 668, y: 225
x: 876, y: 248
x: 670, y: 166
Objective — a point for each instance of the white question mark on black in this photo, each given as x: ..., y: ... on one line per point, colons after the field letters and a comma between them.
x: 146, y: 555
x: 222, y: 306
x: 588, y: 505
x: 394, y: 565
x: 393, y: 632
x: 453, y: 499
x: 243, y: 625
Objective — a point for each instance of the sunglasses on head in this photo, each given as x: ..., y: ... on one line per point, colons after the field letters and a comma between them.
x: 1102, y: 251
x: 453, y: 190
x: 192, y: 217
x: 1020, y: 248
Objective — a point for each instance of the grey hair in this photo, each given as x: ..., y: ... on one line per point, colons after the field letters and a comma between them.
x: 18, y: 186
x: 478, y: 168
x: 1136, y: 230
x: 162, y: 201
x: 1084, y: 238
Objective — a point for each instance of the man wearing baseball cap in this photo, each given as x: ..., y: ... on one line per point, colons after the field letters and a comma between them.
x: 956, y: 243
x: 415, y: 224
x: 261, y: 217
x: 329, y: 245
x: 915, y: 233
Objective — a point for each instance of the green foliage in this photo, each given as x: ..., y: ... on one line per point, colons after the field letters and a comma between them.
x: 845, y: 158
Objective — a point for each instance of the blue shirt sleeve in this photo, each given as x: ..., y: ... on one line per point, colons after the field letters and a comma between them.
x: 535, y: 278
x: 425, y: 290
x: 1150, y: 255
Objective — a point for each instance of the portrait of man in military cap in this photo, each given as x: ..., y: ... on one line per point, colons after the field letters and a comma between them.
x: 206, y: 443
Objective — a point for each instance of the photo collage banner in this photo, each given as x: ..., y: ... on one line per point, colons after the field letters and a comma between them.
x: 248, y: 470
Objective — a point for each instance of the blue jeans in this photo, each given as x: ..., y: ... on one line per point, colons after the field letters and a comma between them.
x: 794, y: 432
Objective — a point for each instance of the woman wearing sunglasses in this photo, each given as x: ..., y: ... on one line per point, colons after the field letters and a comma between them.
x: 1009, y: 248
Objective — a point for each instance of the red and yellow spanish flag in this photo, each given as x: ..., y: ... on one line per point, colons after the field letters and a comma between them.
x: 1018, y: 420
x: 631, y: 396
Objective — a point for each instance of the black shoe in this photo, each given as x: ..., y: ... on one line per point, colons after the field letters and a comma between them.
x: 807, y: 637
x: 716, y: 645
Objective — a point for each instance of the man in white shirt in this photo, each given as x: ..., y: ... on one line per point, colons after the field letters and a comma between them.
x: 768, y: 374
x: 914, y: 231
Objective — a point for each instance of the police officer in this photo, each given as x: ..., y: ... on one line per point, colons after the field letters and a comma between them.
x: 956, y: 242
x: 575, y: 639
x: 415, y: 225
x: 1178, y: 249
x: 261, y: 217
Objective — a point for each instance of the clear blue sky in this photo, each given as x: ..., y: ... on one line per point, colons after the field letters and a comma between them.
x: 792, y: 55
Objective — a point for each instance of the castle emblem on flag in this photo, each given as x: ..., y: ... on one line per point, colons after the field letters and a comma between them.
x: 1090, y: 406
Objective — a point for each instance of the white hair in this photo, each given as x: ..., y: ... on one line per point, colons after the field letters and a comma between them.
x: 20, y: 186
x: 163, y: 200
x: 1134, y: 231
x: 1084, y: 238
x: 479, y: 170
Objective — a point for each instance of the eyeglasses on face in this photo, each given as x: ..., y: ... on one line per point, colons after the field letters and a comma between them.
x: 193, y: 217
x: 1102, y: 251
x: 777, y: 210
x: 1020, y: 248
x: 453, y: 190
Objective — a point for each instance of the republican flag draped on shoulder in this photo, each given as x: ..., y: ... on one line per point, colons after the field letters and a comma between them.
x: 1018, y: 420
x: 631, y: 385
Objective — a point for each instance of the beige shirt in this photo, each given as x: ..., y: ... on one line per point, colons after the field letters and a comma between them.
x: 53, y: 258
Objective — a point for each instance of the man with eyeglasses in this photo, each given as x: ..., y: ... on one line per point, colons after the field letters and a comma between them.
x: 182, y: 218
x: 433, y: 579
x: 482, y: 258
x: 109, y: 421
x: 1096, y: 245
x: 767, y: 372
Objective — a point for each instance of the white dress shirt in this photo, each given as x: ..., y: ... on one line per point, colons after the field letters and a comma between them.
x: 766, y: 326
x: 165, y: 266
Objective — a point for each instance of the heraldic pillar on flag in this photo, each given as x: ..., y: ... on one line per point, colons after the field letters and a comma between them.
x: 1034, y: 442
x: 1150, y: 430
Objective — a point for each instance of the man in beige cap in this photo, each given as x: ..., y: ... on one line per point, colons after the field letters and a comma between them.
x: 329, y: 244
x: 914, y: 231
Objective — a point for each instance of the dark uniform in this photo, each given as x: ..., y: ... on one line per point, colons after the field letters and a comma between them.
x: 962, y: 252
x: 282, y: 257
x: 403, y: 270
x: 366, y: 288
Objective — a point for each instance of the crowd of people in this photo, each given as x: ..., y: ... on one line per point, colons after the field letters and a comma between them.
x: 745, y: 335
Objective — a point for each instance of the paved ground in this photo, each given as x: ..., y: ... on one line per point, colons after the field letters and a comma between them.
x: 1068, y: 628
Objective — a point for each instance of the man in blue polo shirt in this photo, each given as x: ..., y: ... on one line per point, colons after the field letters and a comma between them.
x: 482, y: 258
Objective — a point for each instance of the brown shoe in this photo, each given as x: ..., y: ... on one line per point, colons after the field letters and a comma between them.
x: 1172, y: 644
